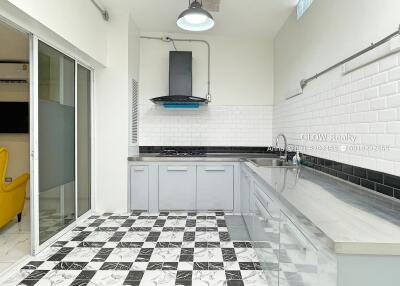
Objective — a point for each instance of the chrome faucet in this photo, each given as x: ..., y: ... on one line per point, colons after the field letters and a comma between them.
x: 285, y: 147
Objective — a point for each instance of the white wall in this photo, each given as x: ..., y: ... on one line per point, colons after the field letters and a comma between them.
x: 328, y: 32
x: 111, y: 114
x: 364, y: 103
x: 241, y: 86
x: 134, y: 60
x: 15, y: 46
x: 241, y: 69
x: 78, y: 22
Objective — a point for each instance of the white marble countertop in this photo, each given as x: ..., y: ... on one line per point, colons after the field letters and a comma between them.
x: 354, y: 219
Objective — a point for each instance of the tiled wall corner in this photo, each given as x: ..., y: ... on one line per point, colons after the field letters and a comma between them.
x: 364, y: 103
x: 207, y: 126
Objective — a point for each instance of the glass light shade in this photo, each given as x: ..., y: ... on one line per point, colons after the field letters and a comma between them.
x: 195, y: 19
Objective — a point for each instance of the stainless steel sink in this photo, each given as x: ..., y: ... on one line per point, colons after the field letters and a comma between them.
x: 268, y: 162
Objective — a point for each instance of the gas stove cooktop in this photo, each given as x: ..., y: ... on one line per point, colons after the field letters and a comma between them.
x: 182, y: 153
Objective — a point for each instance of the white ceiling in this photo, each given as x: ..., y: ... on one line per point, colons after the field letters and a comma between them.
x: 250, y: 18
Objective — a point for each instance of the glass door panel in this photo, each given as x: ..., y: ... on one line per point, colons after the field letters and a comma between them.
x: 83, y: 139
x: 56, y: 126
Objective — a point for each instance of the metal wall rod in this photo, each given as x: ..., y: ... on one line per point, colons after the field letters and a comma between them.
x: 103, y: 12
x: 304, y: 82
x: 168, y: 39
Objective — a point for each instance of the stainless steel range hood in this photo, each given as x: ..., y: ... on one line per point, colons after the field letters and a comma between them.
x: 180, y: 83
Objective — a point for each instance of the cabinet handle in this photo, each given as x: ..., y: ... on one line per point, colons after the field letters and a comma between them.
x: 298, y: 233
x: 262, y: 209
x: 177, y: 169
x: 138, y: 169
x: 262, y: 194
x: 215, y: 169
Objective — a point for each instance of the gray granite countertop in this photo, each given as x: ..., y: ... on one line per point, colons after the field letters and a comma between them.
x: 356, y: 220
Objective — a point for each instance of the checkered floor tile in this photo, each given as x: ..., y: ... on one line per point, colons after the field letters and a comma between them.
x: 143, y: 249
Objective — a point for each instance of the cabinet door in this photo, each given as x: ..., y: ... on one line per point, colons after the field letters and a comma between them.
x: 139, y: 187
x: 177, y: 187
x: 295, y: 248
x: 215, y: 187
x: 245, y: 189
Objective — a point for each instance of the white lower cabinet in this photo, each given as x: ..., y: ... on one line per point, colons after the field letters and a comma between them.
x: 245, y: 190
x: 139, y: 183
x: 287, y: 254
x: 177, y: 187
x: 183, y: 186
x: 214, y: 187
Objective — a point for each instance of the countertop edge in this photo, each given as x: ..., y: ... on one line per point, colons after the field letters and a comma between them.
x: 361, y: 248
x: 343, y: 247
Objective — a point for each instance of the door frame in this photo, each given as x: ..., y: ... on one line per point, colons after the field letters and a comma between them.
x: 36, y: 247
x: 33, y: 132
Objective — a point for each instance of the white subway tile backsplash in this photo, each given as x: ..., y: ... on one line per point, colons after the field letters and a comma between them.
x: 386, y: 166
x: 371, y: 93
x: 377, y: 127
x: 388, y: 89
x: 393, y: 101
x: 371, y: 69
x: 357, y: 96
x: 385, y: 139
x: 379, y: 79
x: 394, y: 74
x: 365, y: 104
x: 207, y: 126
x: 387, y: 115
x: 389, y: 62
x: 393, y: 127
x: 377, y: 104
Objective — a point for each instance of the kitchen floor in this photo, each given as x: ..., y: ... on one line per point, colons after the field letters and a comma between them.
x: 167, y: 248
x: 15, y: 239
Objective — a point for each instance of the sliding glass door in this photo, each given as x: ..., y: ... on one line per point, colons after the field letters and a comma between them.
x: 83, y: 138
x: 56, y: 112
x: 61, y: 142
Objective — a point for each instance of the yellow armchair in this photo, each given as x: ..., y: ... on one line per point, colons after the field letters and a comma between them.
x: 12, y: 196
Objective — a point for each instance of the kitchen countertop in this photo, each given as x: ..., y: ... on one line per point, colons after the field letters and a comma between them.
x: 354, y: 219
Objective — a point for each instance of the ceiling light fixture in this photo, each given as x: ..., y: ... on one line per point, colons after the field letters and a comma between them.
x: 195, y: 18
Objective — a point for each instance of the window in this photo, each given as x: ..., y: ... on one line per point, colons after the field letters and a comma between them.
x: 302, y: 7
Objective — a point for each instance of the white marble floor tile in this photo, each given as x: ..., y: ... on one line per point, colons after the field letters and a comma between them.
x: 14, y: 246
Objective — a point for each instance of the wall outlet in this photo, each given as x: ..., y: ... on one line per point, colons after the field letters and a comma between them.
x: 8, y: 179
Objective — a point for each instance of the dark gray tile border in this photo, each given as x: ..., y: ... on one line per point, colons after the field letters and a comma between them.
x: 380, y: 182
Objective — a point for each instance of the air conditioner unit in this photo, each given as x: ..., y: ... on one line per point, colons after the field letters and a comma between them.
x: 14, y: 72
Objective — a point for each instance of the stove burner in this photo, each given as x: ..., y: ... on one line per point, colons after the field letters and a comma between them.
x: 182, y: 153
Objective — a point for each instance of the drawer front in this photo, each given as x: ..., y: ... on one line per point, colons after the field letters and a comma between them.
x: 298, y: 249
x: 268, y: 201
x: 177, y: 187
x: 139, y: 187
x: 215, y: 187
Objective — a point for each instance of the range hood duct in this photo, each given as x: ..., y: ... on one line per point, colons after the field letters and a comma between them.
x: 184, y: 100
x: 180, y: 82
